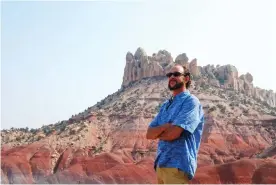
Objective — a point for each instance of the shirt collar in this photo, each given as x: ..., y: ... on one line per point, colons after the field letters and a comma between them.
x: 182, y: 94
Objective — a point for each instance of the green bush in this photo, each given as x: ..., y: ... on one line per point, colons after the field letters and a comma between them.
x: 213, y: 108
x: 47, y: 131
x: 222, y: 108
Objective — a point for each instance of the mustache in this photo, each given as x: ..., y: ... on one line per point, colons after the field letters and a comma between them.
x: 173, y: 80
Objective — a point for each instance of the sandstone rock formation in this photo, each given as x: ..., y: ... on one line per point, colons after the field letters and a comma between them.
x: 141, y: 66
x: 106, y: 142
x: 182, y: 59
x: 194, y: 69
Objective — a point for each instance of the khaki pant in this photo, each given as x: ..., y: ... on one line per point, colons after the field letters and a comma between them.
x: 171, y: 176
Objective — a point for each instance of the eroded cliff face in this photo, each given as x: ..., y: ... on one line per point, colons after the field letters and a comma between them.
x: 106, y: 142
x: 140, y: 65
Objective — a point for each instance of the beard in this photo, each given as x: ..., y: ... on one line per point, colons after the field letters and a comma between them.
x: 176, y: 86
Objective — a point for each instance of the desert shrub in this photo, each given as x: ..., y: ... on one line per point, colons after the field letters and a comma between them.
x: 97, y: 150
x: 47, y: 130
x: 249, y: 102
x: 221, y: 81
x: 62, y: 128
x: 222, y: 108
x: 26, y: 129
x: 72, y: 132
x: 33, y: 131
x: 232, y: 104
x: 213, y: 108
x: 18, y: 138
x: 245, y: 111
x: 123, y: 106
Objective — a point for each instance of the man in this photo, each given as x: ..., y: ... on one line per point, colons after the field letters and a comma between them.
x: 178, y: 126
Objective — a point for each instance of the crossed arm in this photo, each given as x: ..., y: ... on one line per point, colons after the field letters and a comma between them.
x: 188, y: 119
x: 166, y: 132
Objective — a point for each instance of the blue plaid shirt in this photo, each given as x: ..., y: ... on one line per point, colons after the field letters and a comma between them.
x: 183, y: 110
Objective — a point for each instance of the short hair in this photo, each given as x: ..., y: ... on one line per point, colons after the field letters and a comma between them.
x: 187, y: 73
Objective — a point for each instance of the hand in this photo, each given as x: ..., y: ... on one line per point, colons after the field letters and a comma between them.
x: 154, y: 132
x: 171, y: 133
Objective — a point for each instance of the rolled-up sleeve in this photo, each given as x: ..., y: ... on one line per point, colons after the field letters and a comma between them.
x: 188, y: 117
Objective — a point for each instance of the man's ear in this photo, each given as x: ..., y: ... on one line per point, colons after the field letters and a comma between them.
x: 187, y: 78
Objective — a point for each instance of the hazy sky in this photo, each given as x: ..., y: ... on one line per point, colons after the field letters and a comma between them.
x: 59, y: 58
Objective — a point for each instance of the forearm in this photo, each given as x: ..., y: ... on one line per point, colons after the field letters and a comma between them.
x: 154, y: 132
x: 166, y: 137
x: 171, y: 133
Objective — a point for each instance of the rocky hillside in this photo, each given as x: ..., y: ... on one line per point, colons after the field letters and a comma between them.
x: 106, y: 142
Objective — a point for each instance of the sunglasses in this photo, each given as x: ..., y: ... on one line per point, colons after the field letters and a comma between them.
x: 176, y: 74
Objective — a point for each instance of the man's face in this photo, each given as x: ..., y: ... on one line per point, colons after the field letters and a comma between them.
x: 176, y: 78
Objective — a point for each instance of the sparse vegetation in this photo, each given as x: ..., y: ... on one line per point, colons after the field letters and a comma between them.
x: 141, y: 101
x: 245, y: 111
x: 213, y: 108
x: 123, y: 107
x: 222, y: 108
x: 47, y: 130
x: 33, y: 131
